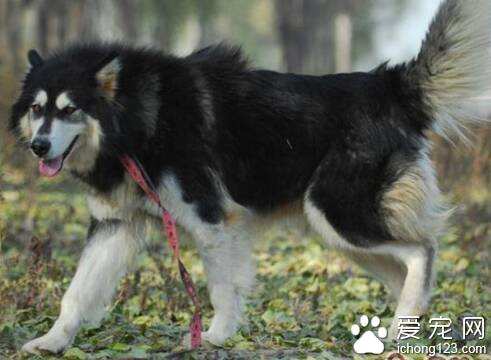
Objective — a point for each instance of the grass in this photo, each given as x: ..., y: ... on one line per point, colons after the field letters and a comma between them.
x: 304, y: 304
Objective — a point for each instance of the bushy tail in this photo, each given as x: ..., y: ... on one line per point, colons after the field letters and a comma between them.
x: 453, y: 67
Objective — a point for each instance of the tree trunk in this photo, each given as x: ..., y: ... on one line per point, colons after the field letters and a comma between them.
x: 43, y: 28
x: 128, y: 10
x: 62, y: 14
x: 13, y: 19
x: 307, y: 34
x: 98, y: 20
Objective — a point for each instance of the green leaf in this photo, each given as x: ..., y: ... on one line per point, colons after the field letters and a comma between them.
x: 120, y: 347
x: 74, y: 353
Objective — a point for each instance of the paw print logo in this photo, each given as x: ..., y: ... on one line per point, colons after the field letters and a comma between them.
x: 368, y: 342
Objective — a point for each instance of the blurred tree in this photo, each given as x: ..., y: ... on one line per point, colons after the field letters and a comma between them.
x: 208, y: 31
x: 326, y: 36
x: 314, y: 36
x: 128, y: 11
x: 305, y: 32
x: 52, y: 23
x: 13, y: 14
x: 98, y: 20
x: 167, y: 19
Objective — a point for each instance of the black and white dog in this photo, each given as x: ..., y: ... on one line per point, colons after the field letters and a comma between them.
x: 228, y: 145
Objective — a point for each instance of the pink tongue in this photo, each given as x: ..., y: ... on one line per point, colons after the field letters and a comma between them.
x: 50, y: 167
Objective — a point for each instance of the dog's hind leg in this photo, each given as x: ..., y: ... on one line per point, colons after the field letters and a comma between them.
x: 416, y: 292
x: 109, y: 253
x: 406, y: 217
x: 415, y: 214
x: 385, y: 268
x: 230, y: 273
x: 412, y: 281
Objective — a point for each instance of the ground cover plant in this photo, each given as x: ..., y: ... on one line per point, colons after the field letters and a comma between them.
x: 306, y: 299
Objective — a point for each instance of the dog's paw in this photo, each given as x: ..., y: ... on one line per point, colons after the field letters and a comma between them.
x: 207, y: 339
x: 50, y: 343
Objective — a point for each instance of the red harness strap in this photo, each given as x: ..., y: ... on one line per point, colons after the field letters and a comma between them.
x: 136, y: 171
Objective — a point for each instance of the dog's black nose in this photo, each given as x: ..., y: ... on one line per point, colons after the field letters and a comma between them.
x: 40, y: 147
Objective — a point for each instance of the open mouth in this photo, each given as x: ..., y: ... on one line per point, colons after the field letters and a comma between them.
x: 51, y: 167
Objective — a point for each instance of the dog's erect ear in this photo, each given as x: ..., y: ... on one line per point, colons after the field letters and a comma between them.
x: 35, y: 60
x: 106, y: 75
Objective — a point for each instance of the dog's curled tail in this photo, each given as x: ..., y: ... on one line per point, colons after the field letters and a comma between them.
x: 453, y: 67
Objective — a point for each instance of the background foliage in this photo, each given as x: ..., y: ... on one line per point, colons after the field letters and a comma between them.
x: 307, y: 297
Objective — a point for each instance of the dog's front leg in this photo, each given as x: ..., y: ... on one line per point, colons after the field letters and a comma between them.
x: 230, y: 273
x: 110, y: 250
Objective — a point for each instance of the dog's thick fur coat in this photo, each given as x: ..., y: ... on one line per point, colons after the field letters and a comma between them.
x: 228, y: 145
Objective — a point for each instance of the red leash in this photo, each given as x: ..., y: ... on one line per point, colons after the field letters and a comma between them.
x: 136, y: 171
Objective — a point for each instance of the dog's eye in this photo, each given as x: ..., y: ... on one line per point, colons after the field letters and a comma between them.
x: 69, y: 110
x: 36, y: 108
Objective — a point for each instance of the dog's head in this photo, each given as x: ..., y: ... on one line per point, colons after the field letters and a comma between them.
x: 65, y: 107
